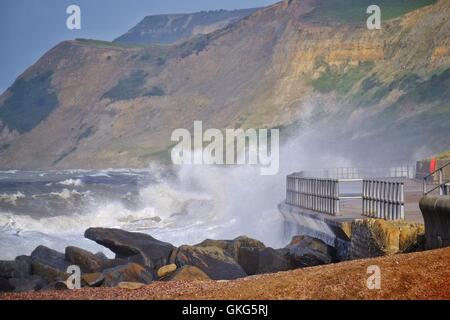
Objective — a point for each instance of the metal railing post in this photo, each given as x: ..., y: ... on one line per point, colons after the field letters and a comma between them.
x: 402, y: 201
x: 320, y: 195
x: 383, y: 199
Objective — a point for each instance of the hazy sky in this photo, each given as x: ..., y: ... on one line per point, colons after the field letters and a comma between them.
x: 28, y: 28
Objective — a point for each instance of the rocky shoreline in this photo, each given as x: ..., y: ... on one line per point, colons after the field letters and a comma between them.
x: 419, y: 275
x: 141, y: 259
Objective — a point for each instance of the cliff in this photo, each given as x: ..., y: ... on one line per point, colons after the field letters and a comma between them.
x: 294, y: 65
x: 171, y: 28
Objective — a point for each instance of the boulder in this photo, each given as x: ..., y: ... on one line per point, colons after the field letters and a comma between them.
x: 411, y: 238
x: 92, y: 279
x: 49, y: 273
x: 5, y: 286
x: 107, y: 263
x: 7, y: 269
x: 130, y: 285
x: 111, y: 263
x: 124, y: 244
x: 23, y: 266
x: 50, y: 257
x: 87, y: 261
x: 131, y: 272
x: 166, y: 270
x: 49, y: 264
x: 101, y: 255
x: 56, y: 285
x: 214, y: 261
x: 262, y: 260
x: 305, y: 251
x: 232, y: 246
x: 19, y: 268
x: 377, y: 237
x: 30, y: 283
x: 188, y: 273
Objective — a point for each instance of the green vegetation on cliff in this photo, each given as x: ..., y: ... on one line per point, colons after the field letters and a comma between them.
x: 30, y: 102
x: 415, y: 89
x: 127, y: 88
x: 132, y: 87
x: 342, y: 82
x: 354, y: 11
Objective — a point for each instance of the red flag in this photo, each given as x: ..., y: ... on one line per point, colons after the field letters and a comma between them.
x: 433, y: 163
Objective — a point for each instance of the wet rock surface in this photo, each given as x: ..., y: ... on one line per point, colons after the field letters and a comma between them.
x: 5, y: 286
x: 166, y: 270
x: 19, y: 268
x: 131, y: 272
x: 262, y: 260
x: 232, y: 247
x: 7, y: 269
x: 92, y: 279
x: 213, y: 261
x: 188, y: 273
x: 30, y: 283
x: 304, y: 251
x: 87, y: 261
x: 49, y: 264
x: 376, y: 237
x: 124, y: 244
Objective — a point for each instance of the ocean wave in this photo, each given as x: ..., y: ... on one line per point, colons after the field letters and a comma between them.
x: 71, y: 182
x: 100, y: 174
x: 63, y: 194
x: 111, y: 215
x: 8, y: 171
x: 11, y: 198
x: 66, y: 193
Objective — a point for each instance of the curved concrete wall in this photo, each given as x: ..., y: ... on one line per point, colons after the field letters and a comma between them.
x: 436, y: 214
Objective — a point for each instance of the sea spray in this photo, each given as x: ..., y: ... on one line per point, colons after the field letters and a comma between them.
x: 184, y: 205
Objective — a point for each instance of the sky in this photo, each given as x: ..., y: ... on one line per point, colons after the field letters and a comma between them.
x: 29, y: 28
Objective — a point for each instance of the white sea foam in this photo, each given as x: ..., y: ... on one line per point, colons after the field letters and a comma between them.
x: 11, y: 198
x: 9, y: 171
x: 71, y: 182
x: 100, y: 174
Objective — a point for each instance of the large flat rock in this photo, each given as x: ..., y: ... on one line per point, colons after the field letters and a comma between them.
x: 124, y: 244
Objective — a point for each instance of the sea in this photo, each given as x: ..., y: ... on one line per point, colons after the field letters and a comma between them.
x: 183, y: 206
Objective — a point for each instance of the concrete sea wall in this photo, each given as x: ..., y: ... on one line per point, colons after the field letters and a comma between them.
x: 354, y: 238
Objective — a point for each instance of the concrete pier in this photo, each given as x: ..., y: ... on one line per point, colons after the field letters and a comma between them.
x: 336, y: 230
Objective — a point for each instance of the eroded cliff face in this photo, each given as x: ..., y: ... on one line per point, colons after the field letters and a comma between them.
x: 172, y: 28
x: 116, y: 105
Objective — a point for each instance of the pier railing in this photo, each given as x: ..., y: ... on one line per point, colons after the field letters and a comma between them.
x: 442, y: 186
x: 402, y: 171
x: 383, y: 199
x: 321, y: 195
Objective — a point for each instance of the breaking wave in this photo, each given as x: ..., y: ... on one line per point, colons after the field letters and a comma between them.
x: 11, y: 198
x: 72, y: 182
